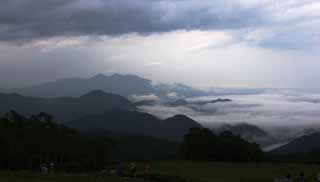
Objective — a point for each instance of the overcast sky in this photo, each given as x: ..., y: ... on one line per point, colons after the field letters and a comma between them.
x: 233, y: 43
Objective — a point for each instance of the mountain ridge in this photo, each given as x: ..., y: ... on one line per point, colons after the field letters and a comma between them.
x: 124, y: 85
x: 299, y: 146
x: 135, y: 122
x: 65, y: 108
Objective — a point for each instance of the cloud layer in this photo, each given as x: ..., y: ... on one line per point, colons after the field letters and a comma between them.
x: 265, y: 22
x: 31, y: 19
x: 247, y: 43
x: 269, y: 110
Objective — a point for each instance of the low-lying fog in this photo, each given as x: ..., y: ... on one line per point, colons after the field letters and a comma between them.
x: 281, y: 114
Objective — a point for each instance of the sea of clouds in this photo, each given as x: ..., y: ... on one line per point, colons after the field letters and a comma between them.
x: 283, y: 114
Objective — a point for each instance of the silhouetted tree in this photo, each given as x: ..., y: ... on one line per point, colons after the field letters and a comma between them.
x: 203, y: 144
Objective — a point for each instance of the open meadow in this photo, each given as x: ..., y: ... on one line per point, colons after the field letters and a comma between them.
x: 186, y: 170
x: 233, y: 172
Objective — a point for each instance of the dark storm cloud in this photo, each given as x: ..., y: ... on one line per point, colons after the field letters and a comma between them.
x: 32, y: 19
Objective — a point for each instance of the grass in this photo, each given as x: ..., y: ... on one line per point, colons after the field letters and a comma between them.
x: 191, y: 171
x: 233, y: 172
x: 33, y: 177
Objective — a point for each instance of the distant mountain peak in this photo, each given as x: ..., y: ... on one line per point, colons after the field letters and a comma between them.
x: 182, y: 86
x: 124, y: 85
x: 128, y: 76
x: 11, y: 94
x: 180, y: 116
x: 179, y: 120
x: 117, y: 75
x: 99, y: 76
x: 95, y: 93
x: 179, y: 102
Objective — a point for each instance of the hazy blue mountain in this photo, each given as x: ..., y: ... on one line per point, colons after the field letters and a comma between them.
x: 299, y: 146
x: 183, y: 102
x: 211, y: 101
x: 124, y: 85
x: 180, y: 90
x: 179, y: 102
x: 239, y: 91
x: 145, y: 103
x: 74, y: 87
x: 135, y: 122
x: 65, y: 108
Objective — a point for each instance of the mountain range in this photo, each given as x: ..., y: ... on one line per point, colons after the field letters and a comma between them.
x: 183, y: 102
x: 98, y: 110
x: 65, y: 108
x: 102, y: 102
x: 124, y: 85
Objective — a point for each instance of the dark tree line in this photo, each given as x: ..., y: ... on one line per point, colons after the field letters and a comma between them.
x: 203, y: 144
x: 27, y: 142
x: 313, y: 156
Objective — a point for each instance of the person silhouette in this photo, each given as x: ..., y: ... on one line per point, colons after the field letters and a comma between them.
x: 288, y: 178
x: 43, y: 168
x: 147, y: 169
x: 133, y: 169
x: 301, y: 177
x: 120, y: 172
x: 52, y: 168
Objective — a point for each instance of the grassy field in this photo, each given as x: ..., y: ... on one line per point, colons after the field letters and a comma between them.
x: 233, y: 172
x: 31, y: 177
x: 191, y: 171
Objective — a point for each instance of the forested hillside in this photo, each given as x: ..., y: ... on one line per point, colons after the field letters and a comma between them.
x: 27, y: 142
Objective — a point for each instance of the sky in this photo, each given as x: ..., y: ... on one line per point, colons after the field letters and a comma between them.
x: 222, y: 43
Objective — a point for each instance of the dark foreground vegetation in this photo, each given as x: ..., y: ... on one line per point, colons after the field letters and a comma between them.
x: 203, y: 144
x: 27, y: 143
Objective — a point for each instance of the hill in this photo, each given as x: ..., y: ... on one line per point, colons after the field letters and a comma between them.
x: 134, y: 122
x: 179, y: 125
x: 65, y: 108
x: 300, y: 146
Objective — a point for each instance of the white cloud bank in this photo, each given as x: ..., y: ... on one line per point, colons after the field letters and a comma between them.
x: 270, y: 111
